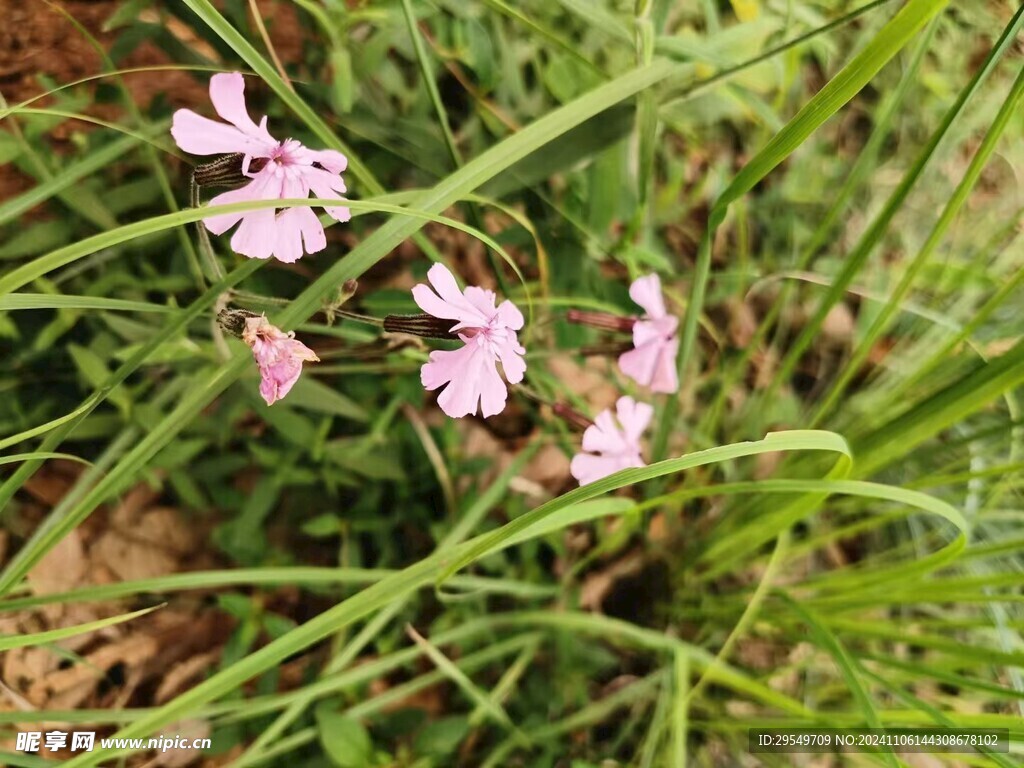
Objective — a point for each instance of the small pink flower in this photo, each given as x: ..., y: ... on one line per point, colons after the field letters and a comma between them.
x: 652, y: 361
x: 489, y: 336
x: 291, y: 170
x: 612, y: 442
x: 279, y: 357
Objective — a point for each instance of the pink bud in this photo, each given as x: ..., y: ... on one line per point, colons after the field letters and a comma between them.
x: 279, y: 357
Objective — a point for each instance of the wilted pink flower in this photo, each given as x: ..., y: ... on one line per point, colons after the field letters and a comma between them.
x: 489, y: 335
x: 612, y: 442
x: 279, y: 357
x: 290, y: 170
x: 652, y: 361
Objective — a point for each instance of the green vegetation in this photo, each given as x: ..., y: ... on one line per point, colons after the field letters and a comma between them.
x: 826, y: 529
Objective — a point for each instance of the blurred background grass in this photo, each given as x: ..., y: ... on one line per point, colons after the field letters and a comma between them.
x: 863, y: 287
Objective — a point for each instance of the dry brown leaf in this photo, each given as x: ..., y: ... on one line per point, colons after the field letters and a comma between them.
x: 191, y: 730
x: 67, y: 688
x: 548, y: 468
x: 62, y: 568
x: 593, y: 381
x: 839, y: 324
x: 742, y: 322
x: 184, y: 672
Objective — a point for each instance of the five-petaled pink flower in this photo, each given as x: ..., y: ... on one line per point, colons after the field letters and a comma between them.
x: 612, y: 443
x: 290, y: 170
x: 652, y: 361
x: 279, y: 357
x: 489, y: 336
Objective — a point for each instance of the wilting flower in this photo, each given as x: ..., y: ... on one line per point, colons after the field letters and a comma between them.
x: 279, y: 357
x: 612, y: 442
x: 489, y: 336
x: 652, y: 361
x: 282, y: 169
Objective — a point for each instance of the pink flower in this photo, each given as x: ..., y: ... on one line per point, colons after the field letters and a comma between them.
x: 652, y: 361
x: 489, y: 336
x: 615, y: 441
x: 278, y: 355
x: 288, y: 170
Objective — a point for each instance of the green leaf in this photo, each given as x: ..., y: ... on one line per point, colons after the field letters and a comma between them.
x: 441, y: 737
x: 70, y: 175
x: 322, y: 526
x: 345, y: 740
x: 580, y: 143
x: 312, y: 395
x: 95, y: 371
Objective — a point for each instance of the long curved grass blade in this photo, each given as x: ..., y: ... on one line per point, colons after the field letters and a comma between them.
x: 71, y: 174
x: 375, y: 247
x: 855, y: 260
x: 14, y: 458
x: 19, y: 301
x: 829, y: 100
x: 441, y: 565
x: 53, y: 635
x: 949, y: 213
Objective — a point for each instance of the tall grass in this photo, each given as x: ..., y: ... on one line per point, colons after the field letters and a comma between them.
x: 871, y: 578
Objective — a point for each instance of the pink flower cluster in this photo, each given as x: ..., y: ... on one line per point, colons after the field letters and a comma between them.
x: 613, y: 443
x: 289, y: 170
x: 468, y: 376
x: 652, y: 361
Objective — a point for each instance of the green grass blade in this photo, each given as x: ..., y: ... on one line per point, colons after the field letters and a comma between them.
x: 847, y: 666
x: 53, y: 635
x: 855, y: 260
x: 18, y: 301
x: 71, y: 174
x: 829, y: 100
x: 949, y: 214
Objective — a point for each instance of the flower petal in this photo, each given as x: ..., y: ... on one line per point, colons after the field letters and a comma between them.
x: 222, y: 222
x: 329, y: 159
x: 646, y: 291
x: 587, y: 468
x: 640, y: 363
x: 461, y: 370
x: 604, y: 436
x: 512, y: 363
x: 297, y: 227
x: 200, y: 135
x: 278, y: 355
x: 633, y: 417
x: 493, y: 392
x: 257, y: 235
x: 448, y: 302
x: 227, y: 92
x: 481, y: 299
x: 666, y: 373
x: 510, y: 315
x: 328, y: 187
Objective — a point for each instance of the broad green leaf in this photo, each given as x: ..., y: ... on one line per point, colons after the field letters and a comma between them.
x: 345, y: 740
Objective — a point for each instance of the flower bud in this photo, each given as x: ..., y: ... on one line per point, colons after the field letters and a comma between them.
x: 603, y: 320
x: 233, y: 320
x: 572, y: 417
x: 427, y: 326
x: 226, y: 171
